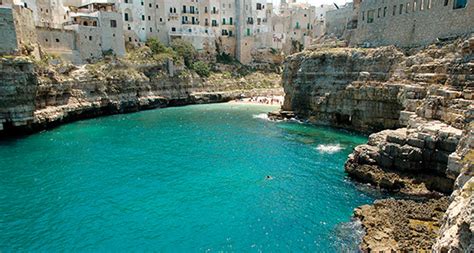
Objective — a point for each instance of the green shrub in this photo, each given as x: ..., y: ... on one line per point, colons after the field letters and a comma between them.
x: 184, y: 49
x: 156, y: 46
x: 201, y: 68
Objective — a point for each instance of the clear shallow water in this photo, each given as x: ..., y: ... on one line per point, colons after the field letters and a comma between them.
x: 177, y: 179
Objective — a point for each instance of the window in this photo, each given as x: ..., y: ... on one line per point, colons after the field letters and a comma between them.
x: 414, y: 5
x: 428, y: 6
x: 125, y: 16
x: 400, y: 11
x: 422, y: 3
x: 149, y: 17
x: 151, y: 29
x: 149, y: 5
x: 205, y: 9
x: 143, y: 17
x: 378, y: 12
x: 223, y: 21
x: 446, y: 2
x: 363, y: 15
x: 184, y: 8
x: 394, y: 10
x: 173, y: 29
x: 259, y: 6
x: 230, y: 21
x: 142, y: 3
x: 408, y: 7
x: 230, y: 33
x: 57, y: 40
x: 156, y: 6
x: 90, y: 37
x: 459, y: 4
x: 370, y: 16
x: 248, y: 31
x: 113, y: 23
x: 384, y: 11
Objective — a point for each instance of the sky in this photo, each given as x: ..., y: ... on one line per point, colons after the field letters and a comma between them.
x: 319, y: 2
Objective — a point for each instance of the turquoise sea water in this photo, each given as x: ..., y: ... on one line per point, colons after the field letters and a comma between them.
x: 189, y: 179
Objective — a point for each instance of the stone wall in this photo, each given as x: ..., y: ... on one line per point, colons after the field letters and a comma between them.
x: 7, y: 31
x: 112, y: 38
x: 51, y: 39
x: 336, y: 20
x: 17, y: 31
x: 411, y: 22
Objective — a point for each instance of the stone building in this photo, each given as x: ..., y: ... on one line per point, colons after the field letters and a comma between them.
x: 17, y: 30
x: 84, y: 30
x: 411, y: 22
x: 296, y: 24
x: 319, y: 21
x: 98, y: 28
x: 337, y: 20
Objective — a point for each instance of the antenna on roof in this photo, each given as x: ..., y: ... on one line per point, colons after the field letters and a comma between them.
x: 337, y: 7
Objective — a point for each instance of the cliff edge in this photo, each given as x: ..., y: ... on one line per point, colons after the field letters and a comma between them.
x: 418, y: 106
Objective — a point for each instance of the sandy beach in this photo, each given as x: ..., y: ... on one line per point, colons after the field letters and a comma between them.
x: 260, y: 100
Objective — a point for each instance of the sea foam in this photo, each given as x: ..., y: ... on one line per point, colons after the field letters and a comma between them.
x: 263, y: 116
x: 329, y: 148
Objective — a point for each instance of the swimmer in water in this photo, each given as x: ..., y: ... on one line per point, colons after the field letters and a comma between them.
x: 268, y: 177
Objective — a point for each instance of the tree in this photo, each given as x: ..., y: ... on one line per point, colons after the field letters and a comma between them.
x: 156, y: 46
x: 184, y: 49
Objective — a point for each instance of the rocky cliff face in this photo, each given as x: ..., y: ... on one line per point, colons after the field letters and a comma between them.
x: 35, y: 97
x: 424, y: 98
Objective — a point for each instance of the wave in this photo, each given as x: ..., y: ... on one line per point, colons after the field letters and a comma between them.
x: 329, y: 148
x: 263, y: 116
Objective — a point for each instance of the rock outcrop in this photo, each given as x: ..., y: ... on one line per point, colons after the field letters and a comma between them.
x: 401, y: 225
x: 418, y: 105
x: 33, y: 97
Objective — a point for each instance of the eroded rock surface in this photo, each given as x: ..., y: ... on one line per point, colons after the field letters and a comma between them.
x: 34, y: 97
x: 401, y: 225
x: 418, y: 105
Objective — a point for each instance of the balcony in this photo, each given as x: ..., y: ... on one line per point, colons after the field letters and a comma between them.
x: 173, y: 15
x: 189, y: 22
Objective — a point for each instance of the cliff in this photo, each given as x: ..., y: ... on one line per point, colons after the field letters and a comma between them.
x: 418, y: 105
x: 36, y: 95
